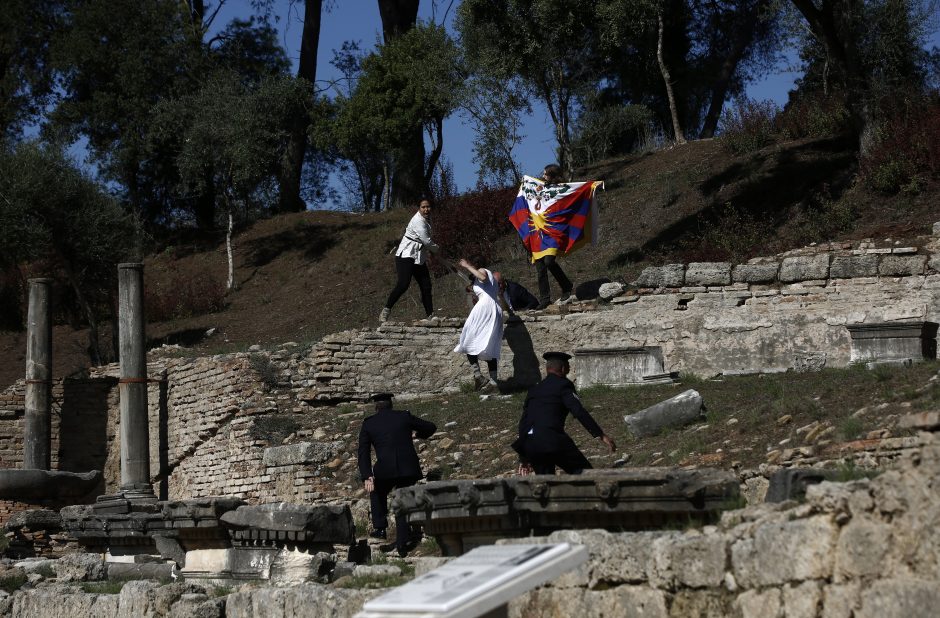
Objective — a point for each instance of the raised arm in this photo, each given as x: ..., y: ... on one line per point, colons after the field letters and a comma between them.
x: 479, y: 273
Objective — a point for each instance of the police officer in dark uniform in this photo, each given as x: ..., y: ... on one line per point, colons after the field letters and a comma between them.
x: 391, y: 433
x: 542, y: 443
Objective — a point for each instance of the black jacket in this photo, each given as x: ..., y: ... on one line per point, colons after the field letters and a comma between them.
x: 519, y: 297
x: 546, y: 408
x: 389, y: 431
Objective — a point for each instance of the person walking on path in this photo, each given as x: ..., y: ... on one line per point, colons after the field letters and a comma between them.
x: 542, y: 443
x: 411, y: 260
x: 482, y: 334
x: 390, y: 432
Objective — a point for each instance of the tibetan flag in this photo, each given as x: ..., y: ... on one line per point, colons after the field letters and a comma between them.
x: 557, y: 218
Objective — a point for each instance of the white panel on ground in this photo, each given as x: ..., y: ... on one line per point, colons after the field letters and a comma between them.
x: 477, y: 582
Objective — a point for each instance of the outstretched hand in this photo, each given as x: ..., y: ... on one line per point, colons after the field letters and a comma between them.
x: 525, y: 469
x: 609, y: 442
x: 370, y: 484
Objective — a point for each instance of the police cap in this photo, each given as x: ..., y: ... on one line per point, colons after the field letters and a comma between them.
x: 381, y: 397
x: 556, y: 356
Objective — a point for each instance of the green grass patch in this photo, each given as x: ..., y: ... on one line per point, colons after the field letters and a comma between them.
x: 848, y: 471
x: 11, y: 582
x: 849, y: 428
x: 756, y: 402
x: 372, y: 583
x: 111, y: 586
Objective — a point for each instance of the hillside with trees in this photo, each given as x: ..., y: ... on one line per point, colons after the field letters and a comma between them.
x: 158, y: 133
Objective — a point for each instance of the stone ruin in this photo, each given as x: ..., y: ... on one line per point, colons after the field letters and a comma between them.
x: 462, y: 515
x: 193, y: 431
x: 866, y: 548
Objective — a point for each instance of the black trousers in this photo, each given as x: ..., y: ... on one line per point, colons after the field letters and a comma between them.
x: 491, y: 363
x: 378, y: 500
x: 406, y: 268
x: 571, y: 460
x: 543, y: 266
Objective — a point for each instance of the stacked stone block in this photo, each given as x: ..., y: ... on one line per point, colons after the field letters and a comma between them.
x: 771, y: 314
x: 864, y: 548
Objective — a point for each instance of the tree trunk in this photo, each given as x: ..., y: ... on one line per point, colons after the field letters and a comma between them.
x: 197, y: 12
x: 386, y: 186
x: 676, y: 127
x: 743, y: 36
x: 94, y: 347
x: 833, y: 25
x: 228, y: 250
x: 204, y: 208
x: 435, y: 153
x: 398, y: 17
x: 292, y: 164
x: 558, y: 112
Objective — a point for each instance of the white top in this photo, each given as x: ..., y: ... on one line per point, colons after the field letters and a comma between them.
x: 482, y: 333
x: 417, y: 240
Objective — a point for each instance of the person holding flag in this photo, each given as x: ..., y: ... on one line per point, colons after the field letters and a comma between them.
x: 554, y: 218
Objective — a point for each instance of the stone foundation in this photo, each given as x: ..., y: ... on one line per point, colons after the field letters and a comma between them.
x: 212, y: 419
x: 864, y: 548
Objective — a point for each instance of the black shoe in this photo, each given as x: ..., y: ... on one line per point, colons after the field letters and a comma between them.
x: 402, y: 552
x: 379, y: 534
x: 542, y: 305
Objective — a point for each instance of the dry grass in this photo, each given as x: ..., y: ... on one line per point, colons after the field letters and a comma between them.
x: 303, y: 275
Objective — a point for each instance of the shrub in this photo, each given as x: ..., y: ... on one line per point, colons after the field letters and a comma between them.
x: 731, y: 233
x: 904, y: 150
x: 814, y: 115
x: 748, y: 126
x: 605, y: 131
x: 182, y: 295
x: 267, y: 371
x: 469, y: 225
x: 849, y: 428
x: 12, y: 580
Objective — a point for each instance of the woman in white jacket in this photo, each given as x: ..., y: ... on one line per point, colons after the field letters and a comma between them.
x: 411, y: 260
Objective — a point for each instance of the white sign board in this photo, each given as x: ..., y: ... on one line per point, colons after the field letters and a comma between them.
x: 477, y: 582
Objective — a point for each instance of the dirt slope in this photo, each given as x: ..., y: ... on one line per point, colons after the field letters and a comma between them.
x: 303, y: 275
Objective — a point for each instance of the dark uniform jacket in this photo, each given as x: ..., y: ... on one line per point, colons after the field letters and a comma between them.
x: 389, y: 431
x: 546, y: 408
x: 519, y: 297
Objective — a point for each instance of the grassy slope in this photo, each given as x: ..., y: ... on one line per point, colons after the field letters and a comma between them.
x: 304, y: 275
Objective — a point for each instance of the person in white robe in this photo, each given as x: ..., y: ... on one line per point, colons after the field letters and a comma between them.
x: 482, y: 334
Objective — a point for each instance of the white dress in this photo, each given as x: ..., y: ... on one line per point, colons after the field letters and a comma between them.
x: 482, y: 333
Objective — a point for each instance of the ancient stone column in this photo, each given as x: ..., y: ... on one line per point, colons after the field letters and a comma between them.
x: 135, y: 429
x: 37, y: 441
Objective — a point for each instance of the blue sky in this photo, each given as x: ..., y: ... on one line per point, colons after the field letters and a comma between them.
x: 358, y: 20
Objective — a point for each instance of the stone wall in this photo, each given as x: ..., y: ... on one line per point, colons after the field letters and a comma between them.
x: 867, y: 548
x: 214, y: 419
x: 772, y: 314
